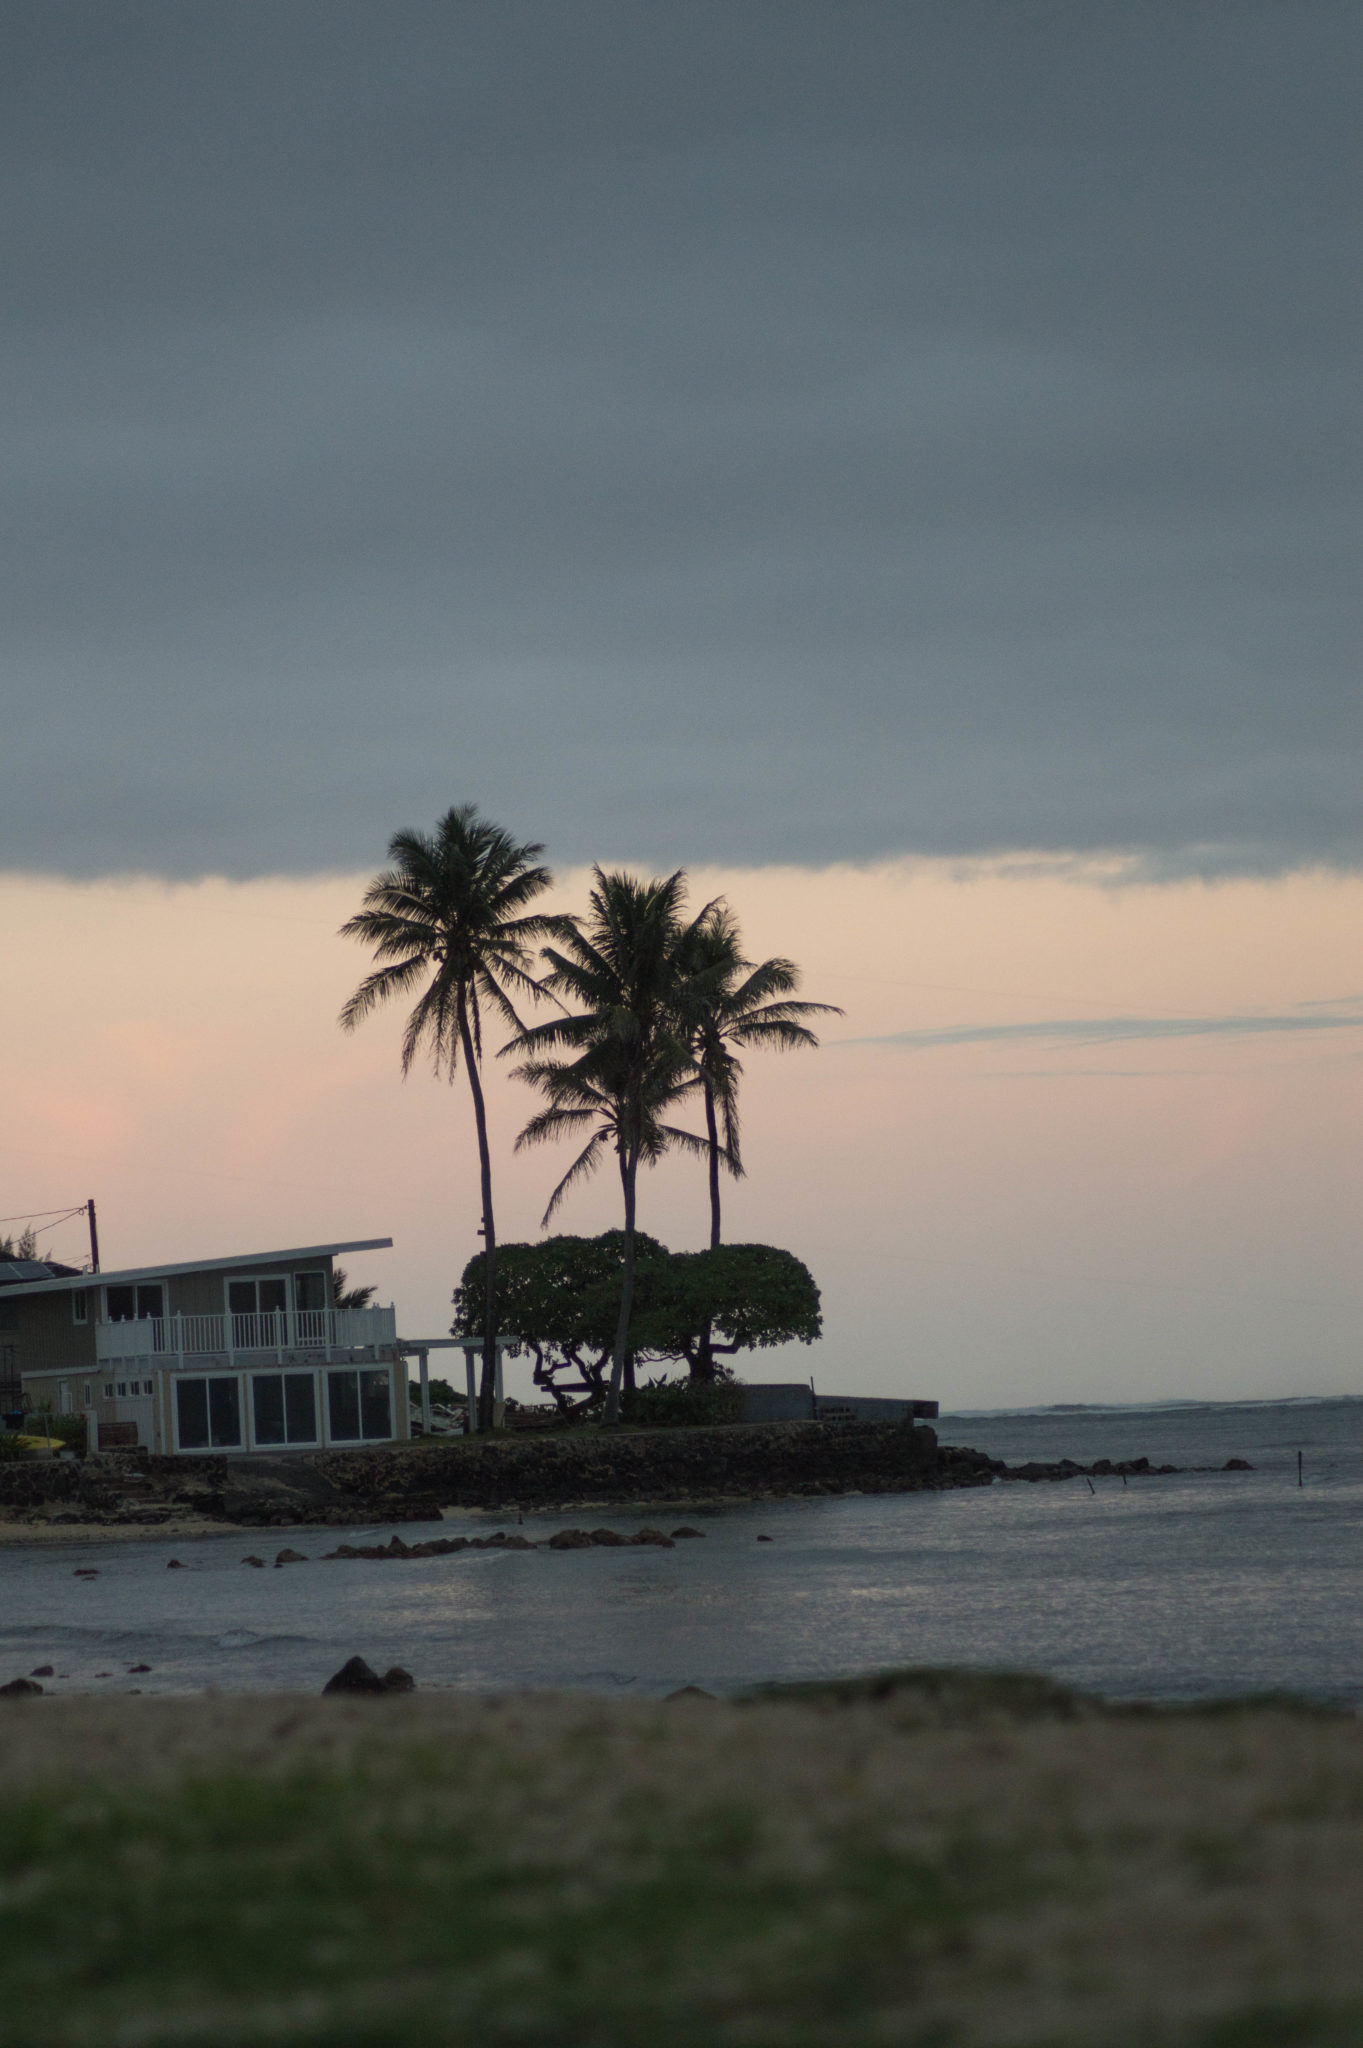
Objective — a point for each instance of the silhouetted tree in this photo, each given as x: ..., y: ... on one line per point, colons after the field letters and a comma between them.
x: 451, y: 912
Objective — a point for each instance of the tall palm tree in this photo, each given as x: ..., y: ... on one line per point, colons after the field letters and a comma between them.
x: 451, y: 912
x: 614, y: 1067
x: 728, y: 1002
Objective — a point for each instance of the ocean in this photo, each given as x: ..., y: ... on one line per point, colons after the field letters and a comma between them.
x: 1168, y: 1588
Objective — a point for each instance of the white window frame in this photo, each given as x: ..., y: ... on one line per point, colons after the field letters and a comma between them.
x: 80, y: 1305
x: 208, y: 1450
x: 273, y: 1372
x: 374, y: 1365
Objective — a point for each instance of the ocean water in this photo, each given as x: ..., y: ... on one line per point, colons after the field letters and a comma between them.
x: 1167, y: 1588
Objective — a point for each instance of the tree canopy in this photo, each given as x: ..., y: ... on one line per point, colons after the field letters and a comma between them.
x: 561, y: 1297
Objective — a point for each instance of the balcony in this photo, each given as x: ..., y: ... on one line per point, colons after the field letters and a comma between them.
x: 311, y: 1335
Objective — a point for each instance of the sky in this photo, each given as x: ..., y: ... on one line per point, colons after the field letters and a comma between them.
x: 897, y: 460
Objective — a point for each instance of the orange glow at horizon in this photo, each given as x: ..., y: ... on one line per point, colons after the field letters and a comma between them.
x: 1017, y: 1219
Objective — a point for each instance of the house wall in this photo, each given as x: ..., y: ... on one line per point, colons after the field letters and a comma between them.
x: 44, y: 1335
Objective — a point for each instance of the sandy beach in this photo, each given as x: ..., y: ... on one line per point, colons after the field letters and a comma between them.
x: 45, y: 1534
x: 956, y: 1861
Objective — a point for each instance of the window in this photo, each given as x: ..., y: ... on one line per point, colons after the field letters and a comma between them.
x: 208, y: 1413
x: 257, y: 1309
x: 284, y: 1408
x: 122, y: 1389
x: 109, y: 1391
x: 85, y: 1397
x: 310, y: 1291
x: 359, y: 1406
x: 80, y: 1306
x: 128, y: 1304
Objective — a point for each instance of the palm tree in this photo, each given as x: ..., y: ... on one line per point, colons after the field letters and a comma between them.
x: 728, y: 1002
x: 344, y: 1296
x: 613, y: 1068
x: 452, y: 907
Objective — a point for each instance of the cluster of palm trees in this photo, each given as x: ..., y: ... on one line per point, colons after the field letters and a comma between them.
x: 651, y: 1008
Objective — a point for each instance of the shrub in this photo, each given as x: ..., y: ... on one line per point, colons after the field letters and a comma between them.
x: 673, y: 1404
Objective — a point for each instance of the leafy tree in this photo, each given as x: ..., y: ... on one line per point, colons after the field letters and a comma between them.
x: 25, y: 1246
x: 561, y: 1297
x: 613, y: 1069
x: 451, y: 912
x: 735, y: 1297
x: 728, y: 1002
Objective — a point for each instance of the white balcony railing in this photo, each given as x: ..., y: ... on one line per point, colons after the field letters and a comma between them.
x: 321, y: 1331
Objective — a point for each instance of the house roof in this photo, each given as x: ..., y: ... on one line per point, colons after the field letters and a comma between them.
x: 66, y: 1283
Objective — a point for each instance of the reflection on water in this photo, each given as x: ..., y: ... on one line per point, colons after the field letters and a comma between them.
x: 1168, y: 1587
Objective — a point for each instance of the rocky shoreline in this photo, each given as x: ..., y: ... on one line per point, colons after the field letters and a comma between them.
x: 416, y: 1483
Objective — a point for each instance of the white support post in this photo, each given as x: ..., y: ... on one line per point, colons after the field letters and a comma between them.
x: 423, y: 1359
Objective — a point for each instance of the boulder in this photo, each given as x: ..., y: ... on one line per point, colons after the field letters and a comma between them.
x: 41, y: 1671
x: 688, y: 1692
x: 355, y: 1676
x: 608, y: 1537
x: 174, y: 1565
x: 290, y: 1557
x: 395, y: 1679
x: 258, y: 1562
x: 679, y: 1536
x: 653, y: 1536
x: 1237, y: 1465
x: 20, y: 1689
x: 570, y: 1539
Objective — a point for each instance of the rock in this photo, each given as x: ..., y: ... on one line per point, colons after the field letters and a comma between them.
x: 41, y: 1671
x: 137, y: 1667
x: 85, y: 1572
x: 397, y: 1548
x: 354, y: 1676
x: 174, y: 1565
x: 20, y: 1689
x: 1237, y: 1465
x: 609, y: 1538
x: 341, y: 1550
x: 679, y: 1536
x: 395, y: 1679
x: 688, y: 1692
x: 765, y: 1539
x: 653, y: 1536
x: 258, y: 1562
x: 570, y: 1539
x: 290, y: 1557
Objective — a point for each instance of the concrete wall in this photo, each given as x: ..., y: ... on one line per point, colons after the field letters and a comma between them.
x: 779, y: 1402
x: 796, y: 1402
x: 872, y: 1408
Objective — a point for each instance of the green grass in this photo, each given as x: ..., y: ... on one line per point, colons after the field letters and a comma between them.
x: 367, y: 1874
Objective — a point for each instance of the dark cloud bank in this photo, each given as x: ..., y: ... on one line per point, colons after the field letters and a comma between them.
x: 743, y: 432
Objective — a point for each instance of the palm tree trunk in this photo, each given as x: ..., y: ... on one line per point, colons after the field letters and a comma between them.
x: 712, y: 1133
x: 629, y: 1171
x: 487, y: 1385
x: 703, y: 1365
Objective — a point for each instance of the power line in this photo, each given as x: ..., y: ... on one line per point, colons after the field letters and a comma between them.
x: 38, y: 1216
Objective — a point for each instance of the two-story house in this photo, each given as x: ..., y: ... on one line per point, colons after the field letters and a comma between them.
x: 247, y: 1353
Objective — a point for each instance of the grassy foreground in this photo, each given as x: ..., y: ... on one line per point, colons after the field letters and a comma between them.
x: 937, y: 1861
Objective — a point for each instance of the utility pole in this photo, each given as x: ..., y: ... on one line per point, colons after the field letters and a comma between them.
x: 94, y: 1235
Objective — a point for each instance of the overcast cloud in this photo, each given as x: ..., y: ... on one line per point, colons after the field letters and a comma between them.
x: 734, y: 433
